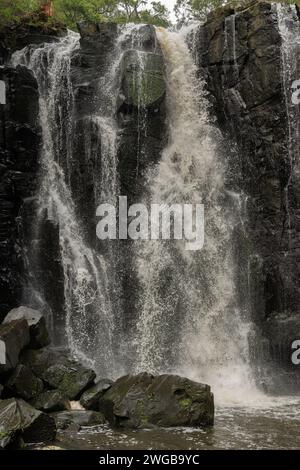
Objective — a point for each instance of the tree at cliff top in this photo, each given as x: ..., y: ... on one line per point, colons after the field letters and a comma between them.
x: 12, y: 10
x: 120, y: 11
x: 188, y: 10
x: 73, y: 11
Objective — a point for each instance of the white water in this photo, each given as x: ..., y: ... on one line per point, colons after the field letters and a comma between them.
x: 89, y: 318
x: 289, y: 28
x: 190, y: 321
x: 90, y: 283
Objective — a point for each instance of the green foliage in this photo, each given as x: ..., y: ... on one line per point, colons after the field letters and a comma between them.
x: 119, y: 11
x: 73, y: 11
x: 187, y: 10
x: 13, y: 10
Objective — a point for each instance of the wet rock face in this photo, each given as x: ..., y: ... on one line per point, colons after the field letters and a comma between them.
x: 24, y: 384
x: 90, y: 398
x: 239, y: 52
x: 59, y: 371
x: 39, y: 336
x: 19, y: 419
x: 74, y: 420
x: 19, y: 149
x: 14, y: 336
x: 142, y: 136
x: 144, y: 400
x: 141, y: 112
x: 20, y: 141
x: 119, y: 99
x: 31, y: 30
x: 51, y: 401
x: 143, y: 81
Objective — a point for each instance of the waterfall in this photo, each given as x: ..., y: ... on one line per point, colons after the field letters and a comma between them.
x: 289, y: 28
x: 190, y: 321
x: 88, y: 310
x: 189, y: 318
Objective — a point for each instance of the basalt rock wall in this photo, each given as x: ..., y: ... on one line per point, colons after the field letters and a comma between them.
x: 239, y: 52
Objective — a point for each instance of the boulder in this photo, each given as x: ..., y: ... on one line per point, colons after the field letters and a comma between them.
x: 143, y: 78
x: 77, y: 419
x: 39, y: 336
x: 59, y: 371
x: 51, y: 400
x: 24, y: 384
x: 14, y: 336
x: 39, y: 360
x: 90, y: 398
x: 18, y: 419
x: 71, y: 378
x: 144, y: 400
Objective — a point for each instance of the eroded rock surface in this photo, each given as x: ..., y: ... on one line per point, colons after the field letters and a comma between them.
x: 144, y: 400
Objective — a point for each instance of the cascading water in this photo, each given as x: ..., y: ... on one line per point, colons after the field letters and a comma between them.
x: 289, y: 29
x: 91, y: 286
x: 190, y: 321
x: 89, y: 320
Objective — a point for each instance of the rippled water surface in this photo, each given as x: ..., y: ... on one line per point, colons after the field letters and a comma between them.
x: 274, y: 425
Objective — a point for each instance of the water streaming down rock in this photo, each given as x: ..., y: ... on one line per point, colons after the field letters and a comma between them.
x: 88, y: 312
x: 289, y: 29
x: 190, y: 320
x: 72, y: 139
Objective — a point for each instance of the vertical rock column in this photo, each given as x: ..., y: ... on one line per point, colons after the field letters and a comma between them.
x: 239, y: 52
x: 142, y: 136
x: 19, y: 149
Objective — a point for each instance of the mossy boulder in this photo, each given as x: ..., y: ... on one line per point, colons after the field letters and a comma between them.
x: 23, y: 383
x: 143, y: 83
x: 20, y: 420
x: 144, y: 400
x: 59, y: 371
x: 70, y: 378
x: 50, y: 401
x: 90, y: 398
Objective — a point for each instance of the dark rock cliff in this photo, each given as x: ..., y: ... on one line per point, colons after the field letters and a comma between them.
x: 19, y: 148
x: 20, y: 141
x: 240, y: 53
x: 119, y: 93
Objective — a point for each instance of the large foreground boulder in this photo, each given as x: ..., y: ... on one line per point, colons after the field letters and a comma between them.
x: 14, y: 336
x: 24, y: 384
x: 145, y: 400
x: 18, y: 419
x: 59, y: 371
x: 39, y: 336
x: 90, y: 398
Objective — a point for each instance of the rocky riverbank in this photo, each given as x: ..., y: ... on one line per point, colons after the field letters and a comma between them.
x: 39, y: 385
